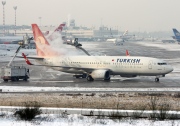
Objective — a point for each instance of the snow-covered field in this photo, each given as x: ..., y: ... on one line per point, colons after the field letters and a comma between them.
x: 166, y: 46
x: 77, y: 120
x: 38, y: 89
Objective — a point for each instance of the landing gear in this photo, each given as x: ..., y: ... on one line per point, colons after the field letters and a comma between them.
x: 89, y: 78
x: 107, y: 79
x: 80, y: 76
x: 156, y: 79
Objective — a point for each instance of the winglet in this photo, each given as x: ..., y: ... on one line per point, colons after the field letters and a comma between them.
x: 26, y: 59
x: 127, y: 53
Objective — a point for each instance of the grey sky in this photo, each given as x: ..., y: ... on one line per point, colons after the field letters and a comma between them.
x: 134, y: 15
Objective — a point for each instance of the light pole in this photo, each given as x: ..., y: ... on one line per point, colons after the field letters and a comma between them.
x: 15, y: 8
x: 40, y: 21
x: 3, y: 3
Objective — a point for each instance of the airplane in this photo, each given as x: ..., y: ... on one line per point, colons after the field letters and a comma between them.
x: 54, y: 36
x: 96, y: 67
x: 177, y: 35
x: 46, y: 33
x: 119, y: 39
x: 58, y: 30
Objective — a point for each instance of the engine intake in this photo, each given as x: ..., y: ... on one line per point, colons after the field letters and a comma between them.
x: 100, y: 74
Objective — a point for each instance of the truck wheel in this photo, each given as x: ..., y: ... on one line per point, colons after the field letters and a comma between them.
x: 12, y: 79
x: 25, y: 78
x: 15, y: 79
x: 5, y: 80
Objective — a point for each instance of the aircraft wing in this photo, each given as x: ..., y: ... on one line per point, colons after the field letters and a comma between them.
x: 31, y: 57
x: 64, y: 67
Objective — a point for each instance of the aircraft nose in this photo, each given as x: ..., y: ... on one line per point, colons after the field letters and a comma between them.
x: 170, y: 69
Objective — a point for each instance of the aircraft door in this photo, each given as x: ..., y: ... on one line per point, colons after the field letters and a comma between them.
x: 150, y: 64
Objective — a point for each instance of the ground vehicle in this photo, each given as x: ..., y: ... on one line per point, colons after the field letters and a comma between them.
x: 14, y: 73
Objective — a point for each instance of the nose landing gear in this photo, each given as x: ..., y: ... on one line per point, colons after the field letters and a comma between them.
x: 156, y: 79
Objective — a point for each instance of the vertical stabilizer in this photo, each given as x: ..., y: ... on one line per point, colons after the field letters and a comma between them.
x: 42, y: 46
x: 38, y: 35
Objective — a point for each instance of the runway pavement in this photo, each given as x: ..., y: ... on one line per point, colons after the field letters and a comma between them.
x: 46, y: 77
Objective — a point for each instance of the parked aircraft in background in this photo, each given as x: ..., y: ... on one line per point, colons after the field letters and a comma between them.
x: 119, y: 39
x: 54, y: 35
x: 46, y: 33
x: 96, y: 67
x: 177, y: 35
x: 126, y: 36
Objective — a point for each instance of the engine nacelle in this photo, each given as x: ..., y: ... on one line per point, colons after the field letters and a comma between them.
x: 100, y: 74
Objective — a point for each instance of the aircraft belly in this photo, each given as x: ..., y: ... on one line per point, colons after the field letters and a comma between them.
x: 69, y: 70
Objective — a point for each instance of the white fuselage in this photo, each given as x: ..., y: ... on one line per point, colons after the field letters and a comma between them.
x: 117, y: 65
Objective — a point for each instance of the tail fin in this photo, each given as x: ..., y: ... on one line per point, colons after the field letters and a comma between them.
x: 127, y: 53
x: 38, y: 35
x: 58, y: 29
x: 46, y: 33
x: 125, y: 33
x: 42, y: 46
x: 176, y: 33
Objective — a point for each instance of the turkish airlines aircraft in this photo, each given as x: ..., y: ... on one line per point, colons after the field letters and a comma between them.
x: 97, y: 67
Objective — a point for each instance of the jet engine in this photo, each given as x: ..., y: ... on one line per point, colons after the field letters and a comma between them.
x: 101, y: 74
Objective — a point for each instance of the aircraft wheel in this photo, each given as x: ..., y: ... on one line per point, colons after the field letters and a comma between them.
x: 156, y: 79
x: 89, y: 78
x: 108, y: 79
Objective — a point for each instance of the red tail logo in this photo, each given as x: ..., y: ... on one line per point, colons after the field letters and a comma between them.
x: 42, y: 46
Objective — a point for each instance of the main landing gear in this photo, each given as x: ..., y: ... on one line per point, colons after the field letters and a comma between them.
x: 80, y: 76
x: 89, y: 78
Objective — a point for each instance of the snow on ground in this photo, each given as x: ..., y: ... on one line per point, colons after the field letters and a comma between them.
x: 37, y: 89
x: 6, y: 55
x: 166, y: 46
x: 78, y: 120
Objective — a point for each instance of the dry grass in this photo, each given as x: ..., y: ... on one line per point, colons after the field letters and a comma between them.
x: 99, y: 100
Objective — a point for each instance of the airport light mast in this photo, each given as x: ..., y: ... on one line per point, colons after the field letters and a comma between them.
x: 3, y: 3
x: 15, y: 8
x: 40, y: 21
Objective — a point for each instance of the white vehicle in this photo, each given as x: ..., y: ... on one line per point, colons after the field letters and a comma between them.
x: 14, y: 73
x: 97, y: 67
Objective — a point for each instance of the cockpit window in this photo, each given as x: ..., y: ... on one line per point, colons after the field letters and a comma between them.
x: 162, y: 63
